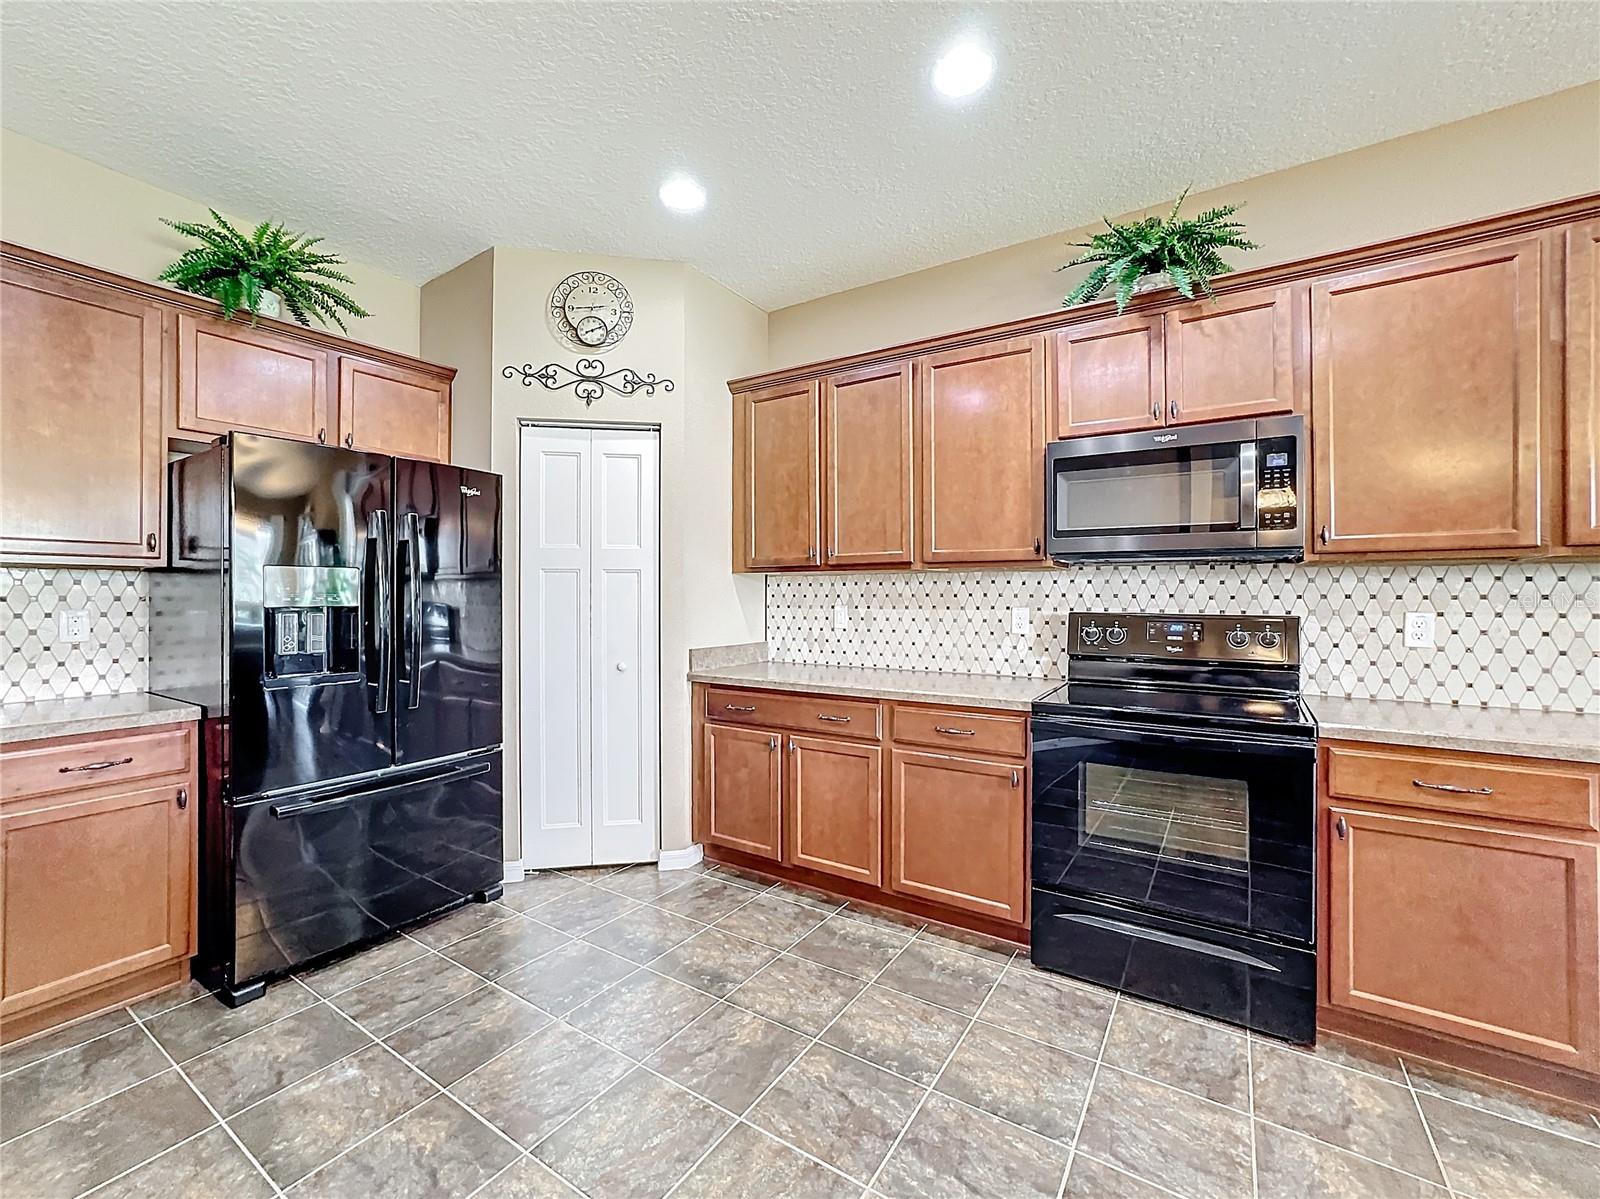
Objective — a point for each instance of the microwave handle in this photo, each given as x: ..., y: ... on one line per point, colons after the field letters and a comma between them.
x: 1247, y: 484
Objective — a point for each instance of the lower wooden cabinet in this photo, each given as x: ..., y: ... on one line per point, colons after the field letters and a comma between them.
x: 741, y: 772
x: 958, y: 832
x: 833, y: 808
x: 97, y: 876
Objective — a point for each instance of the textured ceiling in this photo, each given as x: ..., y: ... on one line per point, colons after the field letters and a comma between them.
x: 415, y: 135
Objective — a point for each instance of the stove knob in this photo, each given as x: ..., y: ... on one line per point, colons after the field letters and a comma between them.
x: 1238, y: 638
x: 1269, y: 639
x: 1089, y: 634
x: 1116, y: 635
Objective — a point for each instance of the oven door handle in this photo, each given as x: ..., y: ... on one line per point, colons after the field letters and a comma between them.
x: 1045, y: 727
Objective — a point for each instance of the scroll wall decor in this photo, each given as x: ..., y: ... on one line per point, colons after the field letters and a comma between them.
x: 589, y: 379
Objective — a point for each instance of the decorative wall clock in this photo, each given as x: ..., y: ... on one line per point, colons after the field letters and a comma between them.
x: 591, y: 310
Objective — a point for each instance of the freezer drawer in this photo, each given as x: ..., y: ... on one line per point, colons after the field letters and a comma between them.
x: 315, y: 873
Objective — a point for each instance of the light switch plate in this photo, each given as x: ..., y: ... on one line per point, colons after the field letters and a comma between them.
x: 841, y: 617
x: 72, y: 625
x: 1419, y: 630
x: 1020, y: 622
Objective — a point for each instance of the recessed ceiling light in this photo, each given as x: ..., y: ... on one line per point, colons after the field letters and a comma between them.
x: 965, y: 68
x: 682, y: 194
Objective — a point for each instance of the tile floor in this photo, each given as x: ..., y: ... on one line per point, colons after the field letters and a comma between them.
x: 700, y: 1034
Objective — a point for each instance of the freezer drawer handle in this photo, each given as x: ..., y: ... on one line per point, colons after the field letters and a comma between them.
x: 288, y: 810
x: 106, y: 765
x: 1172, y: 939
x: 1453, y: 790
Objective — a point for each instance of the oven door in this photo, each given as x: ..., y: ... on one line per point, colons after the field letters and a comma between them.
x: 1212, y: 828
x: 1180, y: 492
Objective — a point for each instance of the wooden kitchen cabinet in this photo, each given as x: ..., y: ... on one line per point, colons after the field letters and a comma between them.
x: 1426, y: 403
x: 833, y: 808
x: 391, y: 410
x: 741, y: 781
x: 1109, y: 376
x: 235, y: 376
x: 1462, y: 928
x: 957, y: 832
x: 982, y: 452
x: 1582, y: 457
x: 97, y: 872
x: 867, y: 466
x: 82, y: 391
x: 777, y: 497
x: 1230, y: 357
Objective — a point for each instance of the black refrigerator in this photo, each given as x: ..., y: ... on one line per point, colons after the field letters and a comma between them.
x: 336, y: 614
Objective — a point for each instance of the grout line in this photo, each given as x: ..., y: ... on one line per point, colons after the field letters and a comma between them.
x: 7, y: 1073
x: 1250, y: 1099
x: 1356, y: 1153
x: 194, y: 1136
x: 83, y: 1107
x: 1088, y: 1096
x: 215, y: 1114
x: 1126, y: 1173
x: 1427, y: 1131
x: 1484, y: 1111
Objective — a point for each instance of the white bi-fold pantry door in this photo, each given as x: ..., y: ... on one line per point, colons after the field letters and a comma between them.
x: 590, y: 640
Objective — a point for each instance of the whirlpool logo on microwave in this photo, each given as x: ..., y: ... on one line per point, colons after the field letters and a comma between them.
x: 1163, y: 438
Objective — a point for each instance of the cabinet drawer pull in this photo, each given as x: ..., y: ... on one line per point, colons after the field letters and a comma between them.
x: 1340, y: 827
x: 833, y: 719
x: 183, y: 798
x: 739, y: 707
x: 106, y: 765
x: 949, y: 732
x: 1015, y: 778
x: 1452, y: 790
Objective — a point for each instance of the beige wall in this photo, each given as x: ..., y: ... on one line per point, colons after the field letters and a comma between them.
x: 686, y: 329
x: 1542, y: 150
x: 457, y: 327
x: 56, y: 202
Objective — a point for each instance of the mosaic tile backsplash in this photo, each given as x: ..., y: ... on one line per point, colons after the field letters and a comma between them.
x: 1508, y: 636
x: 35, y: 664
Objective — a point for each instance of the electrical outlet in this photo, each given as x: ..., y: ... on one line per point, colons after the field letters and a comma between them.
x: 1019, y: 622
x: 1419, y: 630
x: 72, y: 625
x: 841, y: 617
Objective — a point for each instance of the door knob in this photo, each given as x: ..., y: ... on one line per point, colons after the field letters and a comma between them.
x: 622, y: 667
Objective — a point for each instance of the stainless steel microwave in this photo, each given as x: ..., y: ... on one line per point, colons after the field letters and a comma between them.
x: 1231, y: 490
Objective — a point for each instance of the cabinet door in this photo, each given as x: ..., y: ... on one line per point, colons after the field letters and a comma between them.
x: 866, y: 430
x: 1108, y: 376
x: 1583, y: 384
x: 1486, y: 935
x: 741, y: 784
x: 775, y: 472
x: 391, y: 410
x: 81, y: 405
x: 956, y: 828
x: 833, y: 808
x: 232, y: 375
x: 92, y: 889
x: 982, y: 473
x: 1425, y: 403
x: 1231, y: 357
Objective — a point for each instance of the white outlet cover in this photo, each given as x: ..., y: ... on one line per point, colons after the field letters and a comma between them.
x: 1020, y: 621
x: 72, y: 625
x: 1420, y: 630
x: 841, y: 617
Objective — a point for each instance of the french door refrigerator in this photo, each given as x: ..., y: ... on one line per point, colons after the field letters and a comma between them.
x: 336, y: 614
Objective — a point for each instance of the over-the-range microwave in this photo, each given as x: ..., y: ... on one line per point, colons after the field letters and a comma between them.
x: 1230, y: 490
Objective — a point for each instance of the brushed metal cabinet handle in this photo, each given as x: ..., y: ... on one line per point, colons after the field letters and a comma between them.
x: 949, y: 732
x: 1172, y: 409
x: 791, y: 745
x: 1340, y: 827
x: 1451, y: 789
x: 183, y: 798
x: 349, y: 440
x: 149, y: 541
x: 106, y: 765
x: 772, y: 744
x: 1155, y: 409
x: 739, y: 707
x: 1324, y: 535
x: 1016, y: 778
x: 833, y: 719
x: 322, y: 437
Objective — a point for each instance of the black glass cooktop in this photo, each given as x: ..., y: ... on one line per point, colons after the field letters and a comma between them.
x: 1280, y: 711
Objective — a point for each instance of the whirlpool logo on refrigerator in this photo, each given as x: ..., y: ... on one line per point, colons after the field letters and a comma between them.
x: 470, y: 491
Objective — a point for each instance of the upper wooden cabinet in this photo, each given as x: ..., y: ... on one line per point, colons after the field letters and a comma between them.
x: 867, y: 466
x: 1109, y: 376
x: 776, y: 500
x: 235, y: 376
x: 82, y: 385
x: 1583, y: 385
x: 1230, y: 357
x: 392, y: 410
x: 982, y: 452
x: 1425, y: 394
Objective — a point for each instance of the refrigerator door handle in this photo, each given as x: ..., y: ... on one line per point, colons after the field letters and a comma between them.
x: 414, y: 607
x: 383, y: 605
x: 289, y: 810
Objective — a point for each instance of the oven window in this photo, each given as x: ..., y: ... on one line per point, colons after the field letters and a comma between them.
x: 1160, y: 491
x: 1183, y: 818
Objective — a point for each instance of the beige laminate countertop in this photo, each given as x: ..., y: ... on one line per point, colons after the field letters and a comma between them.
x: 917, y: 686
x: 90, y: 714
x: 1564, y: 735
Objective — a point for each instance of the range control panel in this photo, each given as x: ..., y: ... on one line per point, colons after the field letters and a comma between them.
x: 1268, y: 640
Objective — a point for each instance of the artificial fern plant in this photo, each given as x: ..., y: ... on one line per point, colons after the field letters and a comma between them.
x: 234, y: 269
x: 1186, y: 250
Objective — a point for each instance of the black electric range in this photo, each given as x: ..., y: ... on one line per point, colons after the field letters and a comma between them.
x: 1174, y: 816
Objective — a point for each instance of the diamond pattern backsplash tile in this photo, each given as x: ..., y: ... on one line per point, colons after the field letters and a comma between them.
x: 36, y: 664
x: 1508, y: 636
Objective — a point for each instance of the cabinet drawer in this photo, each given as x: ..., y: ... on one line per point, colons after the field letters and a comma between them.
x: 804, y: 713
x: 1558, y: 794
x: 94, y: 762
x: 954, y: 729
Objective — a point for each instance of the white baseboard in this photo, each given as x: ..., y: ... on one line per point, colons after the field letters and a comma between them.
x: 514, y: 872
x: 680, y: 859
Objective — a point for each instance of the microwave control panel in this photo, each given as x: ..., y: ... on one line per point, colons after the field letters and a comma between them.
x: 1277, y: 479
x: 1265, y: 640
